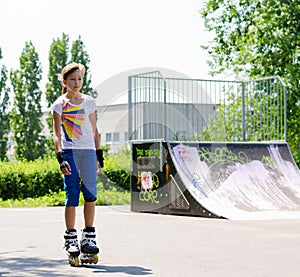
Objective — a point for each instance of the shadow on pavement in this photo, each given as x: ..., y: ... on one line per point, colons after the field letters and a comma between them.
x: 129, y: 270
x: 33, y: 266
x: 23, y: 266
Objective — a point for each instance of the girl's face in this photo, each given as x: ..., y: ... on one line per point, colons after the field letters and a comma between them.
x: 74, y: 81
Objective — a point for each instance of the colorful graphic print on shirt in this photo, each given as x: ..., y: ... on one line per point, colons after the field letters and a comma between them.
x: 72, y: 120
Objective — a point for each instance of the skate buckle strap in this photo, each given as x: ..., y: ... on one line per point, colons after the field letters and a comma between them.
x: 90, y: 236
x: 71, y: 241
x: 89, y: 241
x: 70, y: 236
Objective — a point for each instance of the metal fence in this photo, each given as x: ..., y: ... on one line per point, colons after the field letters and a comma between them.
x: 206, y: 110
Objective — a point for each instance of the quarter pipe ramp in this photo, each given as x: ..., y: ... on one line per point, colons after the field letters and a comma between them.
x: 223, y: 180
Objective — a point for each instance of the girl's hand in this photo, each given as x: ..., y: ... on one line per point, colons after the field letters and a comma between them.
x: 64, y: 165
x: 99, y: 168
x: 65, y: 168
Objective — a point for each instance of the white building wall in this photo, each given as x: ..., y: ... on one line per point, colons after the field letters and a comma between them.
x: 112, y: 123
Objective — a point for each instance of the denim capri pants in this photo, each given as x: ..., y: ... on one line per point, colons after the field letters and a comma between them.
x: 83, y: 167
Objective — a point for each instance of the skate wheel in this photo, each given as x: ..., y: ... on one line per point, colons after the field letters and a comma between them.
x: 84, y: 261
x: 74, y: 261
x: 88, y: 259
x: 95, y: 259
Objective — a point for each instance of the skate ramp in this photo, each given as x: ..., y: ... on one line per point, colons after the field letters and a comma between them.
x: 240, y: 180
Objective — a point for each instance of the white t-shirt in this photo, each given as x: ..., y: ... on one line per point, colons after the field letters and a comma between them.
x: 76, y: 128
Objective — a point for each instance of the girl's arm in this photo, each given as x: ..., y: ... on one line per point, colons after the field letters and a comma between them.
x: 99, y: 151
x: 66, y: 169
x: 57, y: 131
x: 93, y: 121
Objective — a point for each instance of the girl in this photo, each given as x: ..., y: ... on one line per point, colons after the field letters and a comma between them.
x: 77, y: 144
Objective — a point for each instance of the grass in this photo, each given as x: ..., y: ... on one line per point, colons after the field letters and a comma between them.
x: 111, y: 196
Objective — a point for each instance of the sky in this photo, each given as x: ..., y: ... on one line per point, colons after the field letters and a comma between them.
x: 119, y: 35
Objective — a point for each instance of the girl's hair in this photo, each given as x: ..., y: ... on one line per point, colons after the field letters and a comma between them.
x: 69, y: 69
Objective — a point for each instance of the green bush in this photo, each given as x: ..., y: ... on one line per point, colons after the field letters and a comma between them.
x: 42, y: 177
x: 119, y: 179
x: 25, y: 180
x: 19, y: 180
x: 116, y: 171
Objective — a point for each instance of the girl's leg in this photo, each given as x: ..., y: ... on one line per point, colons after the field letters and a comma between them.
x: 72, y: 187
x: 89, y: 214
x: 70, y: 217
x: 70, y: 236
x: 88, y: 174
x: 88, y: 243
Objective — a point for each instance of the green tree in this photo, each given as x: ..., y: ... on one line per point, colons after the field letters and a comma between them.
x: 58, y: 58
x: 259, y: 38
x: 253, y: 102
x: 27, y: 111
x: 4, y: 113
x: 80, y: 55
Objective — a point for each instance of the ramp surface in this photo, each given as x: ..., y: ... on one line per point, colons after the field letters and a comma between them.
x: 240, y: 180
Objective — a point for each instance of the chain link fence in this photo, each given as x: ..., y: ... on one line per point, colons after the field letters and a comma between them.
x: 182, y: 109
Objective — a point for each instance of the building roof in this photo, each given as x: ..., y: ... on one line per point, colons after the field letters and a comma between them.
x: 113, y: 91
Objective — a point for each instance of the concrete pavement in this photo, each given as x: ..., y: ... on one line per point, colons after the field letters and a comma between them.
x: 137, y: 244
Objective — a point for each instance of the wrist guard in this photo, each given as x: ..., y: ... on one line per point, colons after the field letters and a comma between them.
x: 61, y: 160
x: 99, y: 153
